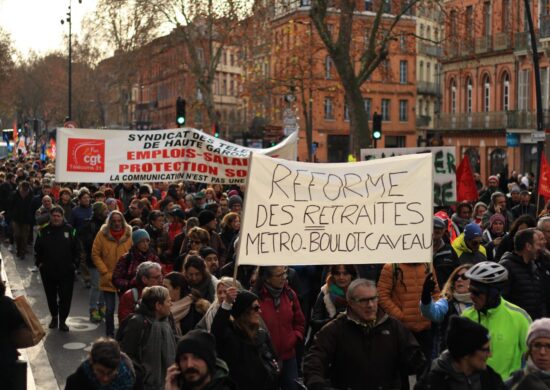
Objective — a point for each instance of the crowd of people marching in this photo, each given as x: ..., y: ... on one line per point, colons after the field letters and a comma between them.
x: 158, y: 260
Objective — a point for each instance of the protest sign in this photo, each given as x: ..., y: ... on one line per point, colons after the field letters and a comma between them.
x: 444, y: 168
x: 376, y: 211
x: 103, y: 156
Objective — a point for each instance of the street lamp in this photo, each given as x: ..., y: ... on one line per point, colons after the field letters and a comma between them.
x: 68, y: 19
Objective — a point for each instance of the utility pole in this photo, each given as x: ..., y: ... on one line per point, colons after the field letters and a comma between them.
x: 70, y: 65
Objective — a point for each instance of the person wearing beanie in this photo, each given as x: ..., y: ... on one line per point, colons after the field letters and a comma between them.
x: 210, y: 256
x: 235, y: 204
x: 444, y: 257
x: 507, y: 323
x: 126, y: 268
x: 197, y: 366
x: 464, y: 364
x: 525, y: 206
x: 468, y: 246
x: 525, y: 282
x: 86, y: 235
x: 243, y: 344
x: 513, y: 196
x: 479, y: 209
x: 492, y: 187
x: 208, y: 222
x: 494, y: 234
x: 536, y: 373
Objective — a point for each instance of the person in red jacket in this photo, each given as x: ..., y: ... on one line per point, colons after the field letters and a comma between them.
x: 148, y: 274
x: 281, y: 312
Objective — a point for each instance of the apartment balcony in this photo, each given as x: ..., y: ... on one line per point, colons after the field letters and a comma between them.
x: 489, y: 120
x: 428, y: 88
x: 423, y: 121
x: 502, y: 41
x: 483, y: 44
x: 523, y: 40
x: 429, y: 49
x: 544, y: 26
x: 466, y: 47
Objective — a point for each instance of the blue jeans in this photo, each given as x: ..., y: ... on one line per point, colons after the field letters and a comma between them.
x: 110, y: 302
x: 289, y: 373
x: 96, y: 297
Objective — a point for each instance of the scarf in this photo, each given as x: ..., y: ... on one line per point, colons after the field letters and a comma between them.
x: 159, y: 353
x: 210, y: 314
x: 205, y: 288
x: 337, y: 296
x: 460, y: 222
x: 117, y: 235
x: 530, y: 368
x: 124, y: 379
x: 181, y: 308
x: 275, y: 294
x: 462, y: 301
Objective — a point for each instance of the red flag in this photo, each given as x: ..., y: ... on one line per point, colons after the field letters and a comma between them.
x: 465, y: 184
x: 544, y: 182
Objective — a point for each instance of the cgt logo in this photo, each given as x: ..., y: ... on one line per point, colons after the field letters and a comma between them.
x: 86, y: 155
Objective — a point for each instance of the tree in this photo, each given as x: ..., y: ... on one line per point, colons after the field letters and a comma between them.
x: 7, y: 66
x: 355, y: 63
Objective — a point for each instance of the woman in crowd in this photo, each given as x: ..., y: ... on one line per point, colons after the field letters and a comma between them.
x: 507, y: 244
x: 454, y: 299
x: 221, y: 288
x: 187, y: 309
x: 231, y: 225
x: 494, y: 234
x: 199, y: 278
x: 479, y: 209
x: 196, y: 239
x: 332, y: 298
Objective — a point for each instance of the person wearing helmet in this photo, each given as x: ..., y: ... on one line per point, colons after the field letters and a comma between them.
x: 507, y: 323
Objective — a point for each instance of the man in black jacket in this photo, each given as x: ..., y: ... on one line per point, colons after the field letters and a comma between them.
x: 525, y: 287
x: 20, y: 215
x: 363, y: 348
x: 56, y: 252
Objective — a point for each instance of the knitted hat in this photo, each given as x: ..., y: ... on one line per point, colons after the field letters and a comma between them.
x: 233, y: 200
x: 232, y: 192
x: 493, y: 177
x: 98, y: 208
x: 207, y: 251
x: 439, y: 223
x: 243, y: 302
x: 497, y: 217
x: 201, y: 344
x: 139, y: 235
x: 539, y: 328
x: 110, y: 201
x: 205, y: 217
x: 465, y: 336
x: 515, y: 188
x: 471, y: 231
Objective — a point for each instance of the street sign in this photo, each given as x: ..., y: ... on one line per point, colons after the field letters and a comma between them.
x: 538, y: 136
x: 512, y: 140
x: 290, y: 122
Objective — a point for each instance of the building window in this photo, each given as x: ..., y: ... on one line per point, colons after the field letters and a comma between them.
x: 386, y: 4
x: 328, y: 67
x: 368, y: 104
x: 428, y: 72
x: 421, y: 31
x: 544, y: 86
x: 231, y: 59
x: 231, y: 88
x: 421, y: 71
x: 473, y: 156
x: 224, y: 86
x: 368, y: 5
x: 487, y: 19
x: 329, y: 109
x: 453, y: 97
x: 523, y: 86
x: 403, y: 110
x: 498, y: 160
x: 394, y: 141
x: 506, y: 92
x: 386, y: 110
x: 428, y: 32
x: 403, y: 68
x: 403, y: 43
x: 469, y: 93
x: 486, y: 93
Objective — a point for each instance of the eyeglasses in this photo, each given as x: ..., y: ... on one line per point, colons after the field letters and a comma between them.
x: 539, y: 346
x: 461, y: 276
x: 365, y: 301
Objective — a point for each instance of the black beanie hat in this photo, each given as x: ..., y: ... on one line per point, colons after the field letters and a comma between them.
x: 465, y: 336
x: 201, y: 344
x: 242, y: 303
x: 205, y: 217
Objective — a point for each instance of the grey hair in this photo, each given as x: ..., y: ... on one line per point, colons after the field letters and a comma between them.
x: 357, y: 283
x: 144, y: 268
x: 153, y: 295
x: 541, y: 222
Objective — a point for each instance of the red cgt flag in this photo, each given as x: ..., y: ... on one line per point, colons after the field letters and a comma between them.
x: 465, y: 183
x: 544, y: 183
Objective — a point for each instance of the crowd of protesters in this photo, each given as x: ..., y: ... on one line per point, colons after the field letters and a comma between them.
x: 163, y: 253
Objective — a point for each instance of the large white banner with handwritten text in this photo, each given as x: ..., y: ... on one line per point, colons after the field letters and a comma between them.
x: 103, y: 156
x: 376, y: 211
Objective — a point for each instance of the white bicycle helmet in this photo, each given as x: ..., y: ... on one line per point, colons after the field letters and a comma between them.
x: 487, y: 272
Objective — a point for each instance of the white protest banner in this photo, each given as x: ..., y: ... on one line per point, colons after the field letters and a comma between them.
x: 376, y: 211
x: 444, y: 168
x: 103, y: 156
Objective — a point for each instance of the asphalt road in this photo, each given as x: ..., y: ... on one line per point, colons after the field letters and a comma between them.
x: 61, y: 352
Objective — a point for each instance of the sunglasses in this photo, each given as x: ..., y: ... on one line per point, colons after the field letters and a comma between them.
x: 461, y: 276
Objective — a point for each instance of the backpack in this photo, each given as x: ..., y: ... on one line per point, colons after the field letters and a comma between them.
x: 124, y: 323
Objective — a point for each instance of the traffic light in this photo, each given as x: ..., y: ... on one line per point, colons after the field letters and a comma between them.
x: 216, y: 130
x: 180, y: 111
x: 376, y: 126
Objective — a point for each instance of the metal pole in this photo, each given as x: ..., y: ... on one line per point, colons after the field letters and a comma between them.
x: 70, y: 105
x: 536, y: 69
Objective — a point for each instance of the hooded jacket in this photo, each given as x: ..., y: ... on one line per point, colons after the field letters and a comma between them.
x: 525, y: 287
x: 442, y: 376
x: 465, y: 254
x: 106, y: 251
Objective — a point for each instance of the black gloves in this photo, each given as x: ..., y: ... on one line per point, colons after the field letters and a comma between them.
x: 428, y: 289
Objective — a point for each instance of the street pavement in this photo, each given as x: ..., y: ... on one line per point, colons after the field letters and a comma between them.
x: 60, y: 353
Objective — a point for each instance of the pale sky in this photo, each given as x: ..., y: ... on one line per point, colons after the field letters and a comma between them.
x: 36, y: 24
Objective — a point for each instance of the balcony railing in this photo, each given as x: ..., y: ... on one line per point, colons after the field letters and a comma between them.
x: 428, y: 88
x: 483, y: 44
x: 423, y: 121
x: 490, y: 120
x: 545, y: 26
x: 523, y: 40
x: 466, y: 47
x: 429, y: 49
x: 502, y: 41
